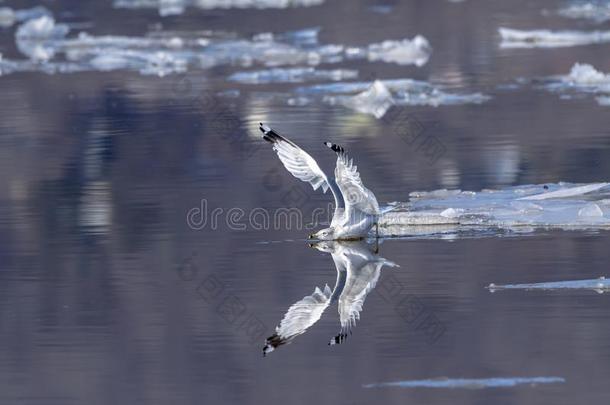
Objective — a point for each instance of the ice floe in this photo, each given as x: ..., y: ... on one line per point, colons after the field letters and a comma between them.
x: 583, y: 78
x: 599, y: 285
x: 43, y: 40
x: 553, y: 206
x: 416, y: 51
x: 512, y: 38
x: 176, y: 7
x: 597, y: 11
x: 8, y: 16
x: 469, y: 383
x: 377, y: 97
x: 292, y: 75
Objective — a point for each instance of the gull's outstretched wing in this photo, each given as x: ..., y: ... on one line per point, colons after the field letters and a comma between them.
x: 358, y: 199
x: 300, y: 317
x: 299, y: 163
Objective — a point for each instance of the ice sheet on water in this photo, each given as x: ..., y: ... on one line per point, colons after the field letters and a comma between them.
x: 292, y: 75
x: 596, y: 11
x: 599, y: 284
x: 583, y: 78
x: 469, y: 383
x: 176, y: 7
x: 512, y: 38
x: 377, y: 97
x: 42, y: 39
x: 561, y: 205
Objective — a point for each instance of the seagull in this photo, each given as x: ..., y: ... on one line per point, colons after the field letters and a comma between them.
x: 356, y: 208
x: 358, y: 270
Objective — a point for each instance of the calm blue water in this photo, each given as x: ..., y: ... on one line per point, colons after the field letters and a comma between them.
x: 108, y: 296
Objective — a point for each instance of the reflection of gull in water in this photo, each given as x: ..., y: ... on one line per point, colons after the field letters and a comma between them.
x: 358, y: 270
x: 356, y: 208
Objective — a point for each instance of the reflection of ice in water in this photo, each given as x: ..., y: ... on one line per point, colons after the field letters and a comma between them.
x: 597, y: 11
x: 563, y: 205
x: 599, y: 285
x: 582, y: 78
x: 175, y: 7
x: 512, y: 38
x: 469, y: 383
x: 377, y: 97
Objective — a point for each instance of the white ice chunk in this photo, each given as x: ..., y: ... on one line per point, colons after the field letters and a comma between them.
x: 583, y: 78
x: 600, y: 284
x: 376, y: 100
x: 7, y: 17
x: 42, y: 28
x: 591, y: 210
x: 35, y: 37
x: 452, y: 213
x: 175, y: 7
x: 587, y: 74
x: 562, y: 205
x: 567, y: 192
x: 406, y: 52
x: 469, y: 383
x: 292, y: 75
x: 512, y: 38
x: 603, y: 101
x: 598, y: 12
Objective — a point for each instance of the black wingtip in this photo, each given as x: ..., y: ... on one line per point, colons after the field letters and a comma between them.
x: 268, y: 134
x: 336, y: 148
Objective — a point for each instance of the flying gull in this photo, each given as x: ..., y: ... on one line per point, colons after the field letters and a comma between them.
x: 356, y: 208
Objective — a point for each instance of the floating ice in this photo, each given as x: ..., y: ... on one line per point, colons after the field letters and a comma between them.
x: 8, y: 16
x: 43, y: 27
x: 469, y: 383
x: 176, y: 7
x: 377, y: 97
x: 566, y: 192
x: 42, y: 39
x: 34, y: 37
x: 406, y: 52
x: 376, y: 100
x: 598, y: 12
x: 562, y: 205
x: 583, y: 78
x: 603, y: 101
x: 292, y: 75
x: 599, y: 285
x: 512, y: 38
